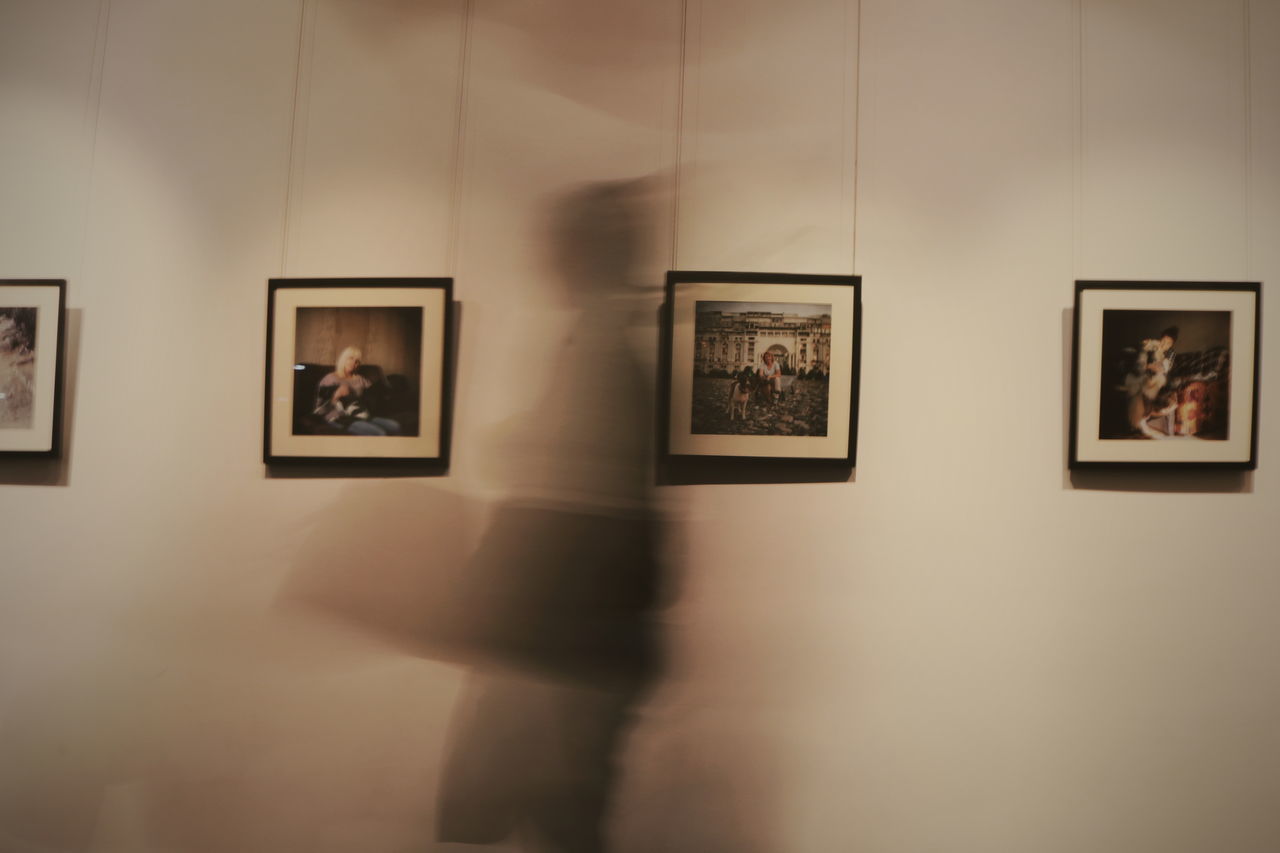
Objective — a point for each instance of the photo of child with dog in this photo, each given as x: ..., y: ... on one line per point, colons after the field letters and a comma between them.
x: 1166, y: 375
x: 357, y: 371
x: 17, y: 367
x: 761, y: 368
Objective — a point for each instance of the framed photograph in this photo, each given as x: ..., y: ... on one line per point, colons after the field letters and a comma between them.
x: 32, y: 326
x: 358, y: 369
x: 1165, y: 374
x: 762, y: 366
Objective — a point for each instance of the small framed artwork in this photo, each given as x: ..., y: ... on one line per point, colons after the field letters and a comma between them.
x: 1165, y: 374
x: 358, y: 370
x: 32, y: 326
x: 761, y: 366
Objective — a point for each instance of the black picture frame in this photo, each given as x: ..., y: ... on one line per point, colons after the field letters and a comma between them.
x: 391, y: 405
x: 32, y: 347
x: 717, y: 327
x: 1164, y: 375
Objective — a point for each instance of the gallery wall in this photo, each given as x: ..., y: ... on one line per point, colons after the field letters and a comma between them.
x: 958, y: 646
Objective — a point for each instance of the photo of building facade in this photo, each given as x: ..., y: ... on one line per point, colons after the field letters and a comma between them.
x: 727, y: 340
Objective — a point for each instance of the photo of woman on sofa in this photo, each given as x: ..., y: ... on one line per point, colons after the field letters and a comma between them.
x: 345, y: 399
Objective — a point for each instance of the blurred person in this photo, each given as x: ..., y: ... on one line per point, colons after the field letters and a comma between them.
x: 557, y: 607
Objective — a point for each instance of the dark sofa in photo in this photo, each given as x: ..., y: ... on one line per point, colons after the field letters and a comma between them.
x: 391, y: 396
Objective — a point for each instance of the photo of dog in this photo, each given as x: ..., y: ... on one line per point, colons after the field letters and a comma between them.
x: 1145, y: 382
x: 343, y: 405
x: 746, y: 388
x: 1164, y: 375
x: 739, y: 396
x: 1164, y: 369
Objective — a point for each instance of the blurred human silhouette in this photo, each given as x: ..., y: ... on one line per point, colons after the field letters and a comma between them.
x: 556, y: 607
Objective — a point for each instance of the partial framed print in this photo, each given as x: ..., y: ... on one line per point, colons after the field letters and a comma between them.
x: 1165, y: 374
x: 358, y: 370
x: 761, y: 366
x: 32, y: 326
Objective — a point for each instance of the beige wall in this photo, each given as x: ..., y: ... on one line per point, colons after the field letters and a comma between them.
x: 962, y: 648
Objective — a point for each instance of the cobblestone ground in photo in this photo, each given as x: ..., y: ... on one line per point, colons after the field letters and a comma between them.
x: 802, y: 411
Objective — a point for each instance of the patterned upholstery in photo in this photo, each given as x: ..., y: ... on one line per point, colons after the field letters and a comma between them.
x: 1203, y: 365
